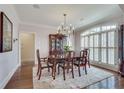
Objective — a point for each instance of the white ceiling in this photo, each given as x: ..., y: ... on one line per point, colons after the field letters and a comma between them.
x: 77, y: 14
x: 122, y: 7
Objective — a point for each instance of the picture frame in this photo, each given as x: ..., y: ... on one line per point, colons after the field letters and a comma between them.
x: 6, y: 30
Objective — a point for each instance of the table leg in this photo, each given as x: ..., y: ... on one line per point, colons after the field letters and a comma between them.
x: 54, y: 70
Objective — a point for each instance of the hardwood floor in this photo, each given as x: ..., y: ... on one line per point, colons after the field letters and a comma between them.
x: 22, y: 79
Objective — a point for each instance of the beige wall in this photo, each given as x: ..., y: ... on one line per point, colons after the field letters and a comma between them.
x: 27, y: 47
x: 41, y: 37
x: 9, y: 60
x: 77, y: 43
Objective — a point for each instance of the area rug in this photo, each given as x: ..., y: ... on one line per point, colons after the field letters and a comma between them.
x: 47, y: 82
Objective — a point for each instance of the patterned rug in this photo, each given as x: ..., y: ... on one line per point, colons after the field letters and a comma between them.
x: 47, y: 82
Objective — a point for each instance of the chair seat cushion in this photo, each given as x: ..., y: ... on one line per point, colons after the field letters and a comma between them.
x: 44, y: 64
x: 64, y: 65
x: 77, y: 63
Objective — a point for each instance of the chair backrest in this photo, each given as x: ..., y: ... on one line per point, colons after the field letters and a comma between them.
x: 88, y: 53
x: 84, y: 53
x: 38, y: 56
x: 84, y: 56
x: 70, y: 55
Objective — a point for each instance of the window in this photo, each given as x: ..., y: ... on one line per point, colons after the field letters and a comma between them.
x: 104, y: 28
x: 86, y: 42
x: 91, y: 54
x: 101, y: 42
x: 103, y: 55
x: 96, y: 40
x: 91, y: 47
x: 111, y: 39
x: 111, y: 56
x: 96, y: 47
x: 96, y: 52
x: 103, y: 48
x: 108, y: 27
x: 113, y: 27
x: 91, y: 41
x: 111, y: 47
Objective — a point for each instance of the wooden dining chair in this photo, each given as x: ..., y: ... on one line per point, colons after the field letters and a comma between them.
x: 42, y: 63
x: 67, y: 63
x: 52, y: 60
x: 82, y: 61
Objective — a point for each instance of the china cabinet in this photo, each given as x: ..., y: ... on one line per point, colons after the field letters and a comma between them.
x: 56, y: 43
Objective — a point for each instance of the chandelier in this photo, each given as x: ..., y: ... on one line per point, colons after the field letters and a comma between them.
x: 65, y: 29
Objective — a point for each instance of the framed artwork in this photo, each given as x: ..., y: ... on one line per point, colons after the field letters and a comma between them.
x: 5, y: 33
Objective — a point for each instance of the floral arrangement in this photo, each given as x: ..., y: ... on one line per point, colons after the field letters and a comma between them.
x: 66, y: 48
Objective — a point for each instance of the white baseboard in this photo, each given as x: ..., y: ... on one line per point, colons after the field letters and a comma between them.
x: 6, y: 80
x: 113, y: 68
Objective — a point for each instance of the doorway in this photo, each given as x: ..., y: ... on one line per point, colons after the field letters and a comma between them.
x: 27, y: 45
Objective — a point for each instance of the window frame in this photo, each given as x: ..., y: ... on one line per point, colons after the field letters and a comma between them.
x: 99, y: 44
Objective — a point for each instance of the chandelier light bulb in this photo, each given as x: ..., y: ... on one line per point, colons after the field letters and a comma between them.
x: 64, y: 28
x: 73, y: 28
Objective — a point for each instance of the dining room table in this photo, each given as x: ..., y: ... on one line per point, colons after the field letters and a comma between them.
x: 58, y: 59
